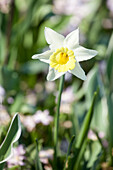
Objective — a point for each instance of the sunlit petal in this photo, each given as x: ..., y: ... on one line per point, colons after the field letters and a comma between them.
x: 72, y: 40
x: 53, y: 74
x: 83, y: 54
x: 53, y: 38
x: 78, y: 71
x: 43, y: 56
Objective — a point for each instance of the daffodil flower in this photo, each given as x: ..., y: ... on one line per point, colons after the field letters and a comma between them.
x: 64, y: 55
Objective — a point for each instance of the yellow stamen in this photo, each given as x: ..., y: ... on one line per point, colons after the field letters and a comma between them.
x: 62, y: 60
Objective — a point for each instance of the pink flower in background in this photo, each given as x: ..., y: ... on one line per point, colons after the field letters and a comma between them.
x: 2, y: 94
x: 10, y: 100
x: 70, y: 7
x: 28, y: 122
x: 43, y: 117
x: 101, y: 134
x: 68, y: 95
x: 4, y: 116
x: 77, y: 9
x: 31, y: 98
x: 91, y: 135
x: 45, y: 155
x: 50, y: 86
x: 66, y: 100
x: 5, y: 5
x: 31, y: 121
x: 18, y: 157
x: 68, y: 77
x: 110, y: 5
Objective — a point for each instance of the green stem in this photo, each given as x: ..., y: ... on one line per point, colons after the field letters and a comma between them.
x: 38, y: 164
x: 69, y: 150
x: 57, y: 116
x: 80, y: 155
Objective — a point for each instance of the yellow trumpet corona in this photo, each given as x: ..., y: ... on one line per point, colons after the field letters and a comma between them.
x: 62, y: 60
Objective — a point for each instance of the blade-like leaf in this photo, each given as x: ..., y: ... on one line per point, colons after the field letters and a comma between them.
x: 13, y: 134
x: 83, y: 133
x: 86, y: 124
x: 110, y: 114
x: 94, y: 153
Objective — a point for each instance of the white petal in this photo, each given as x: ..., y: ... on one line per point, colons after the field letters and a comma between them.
x: 54, y: 74
x: 83, y: 54
x: 78, y: 71
x: 72, y: 40
x: 43, y: 56
x: 53, y: 38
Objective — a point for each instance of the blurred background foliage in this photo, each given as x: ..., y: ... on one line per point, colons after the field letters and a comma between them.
x: 24, y: 88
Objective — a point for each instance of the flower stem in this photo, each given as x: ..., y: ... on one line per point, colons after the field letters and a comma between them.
x: 38, y: 164
x: 57, y: 117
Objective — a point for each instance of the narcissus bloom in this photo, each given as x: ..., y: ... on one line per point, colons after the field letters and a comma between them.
x: 64, y: 55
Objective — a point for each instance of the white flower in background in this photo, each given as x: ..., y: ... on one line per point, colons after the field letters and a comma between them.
x: 68, y: 77
x: 66, y: 100
x: 110, y: 5
x: 4, y: 116
x: 72, y: 7
x: 43, y: 117
x: 31, y: 121
x: 92, y: 135
x: 2, y: 94
x: 45, y: 155
x: 50, y: 86
x: 18, y: 157
x: 64, y: 55
x: 68, y: 95
x: 28, y: 122
x: 31, y: 98
x: 5, y: 5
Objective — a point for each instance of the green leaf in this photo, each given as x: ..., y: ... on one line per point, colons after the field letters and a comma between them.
x: 86, y: 124
x: 10, y: 79
x: 110, y: 111
x: 110, y: 46
x: 13, y: 134
x: 94, y: 153
x: 16, y: 106
x: 83, y: 134
x: 33, y: 67
x: 94, y: 80
x: 69, y: 150
x: 109, y: 69
x: 110, y: 116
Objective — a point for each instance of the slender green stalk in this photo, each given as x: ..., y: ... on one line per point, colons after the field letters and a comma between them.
x: 69, y: 150
x: 80, y: 155
x: 38, y: 164
x: 1, y: 80
x: 57, y: 117
x: 110, y: 116
x: 12, y: 59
